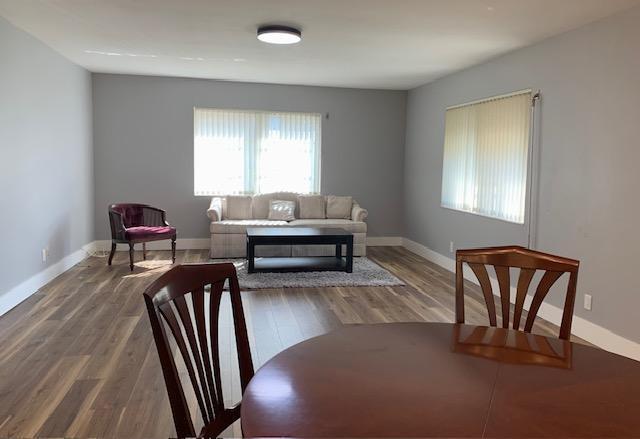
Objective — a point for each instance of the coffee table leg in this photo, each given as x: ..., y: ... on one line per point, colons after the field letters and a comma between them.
x: 250, y: 256
x: 349, y: 267
x: 338, y: 251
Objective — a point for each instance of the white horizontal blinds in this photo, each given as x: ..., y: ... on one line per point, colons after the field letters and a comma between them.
x: 246, y: 152
x: 485, y: 157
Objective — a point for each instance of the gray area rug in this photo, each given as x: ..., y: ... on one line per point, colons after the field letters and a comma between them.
x: 365, y: 273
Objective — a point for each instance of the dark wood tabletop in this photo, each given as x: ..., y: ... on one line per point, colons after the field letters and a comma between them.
x: 440, y: 379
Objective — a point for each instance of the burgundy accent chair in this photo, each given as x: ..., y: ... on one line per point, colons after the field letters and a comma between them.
x: 139, y: 223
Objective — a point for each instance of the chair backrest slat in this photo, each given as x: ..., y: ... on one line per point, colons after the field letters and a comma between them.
x: 214, y: 316
x: 524, y: 280
x: 547, y: 281
x: 177, y: 400
x: 199, y: 385
x: 203, y: 342
x: 172, y: 321
x: 505, y: 292
x: 187, y: 300
x: 529, y: 262
x: 483, y: 277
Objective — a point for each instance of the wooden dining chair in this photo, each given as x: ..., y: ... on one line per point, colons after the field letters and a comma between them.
x: 184, y: 310
x: 528, y: 261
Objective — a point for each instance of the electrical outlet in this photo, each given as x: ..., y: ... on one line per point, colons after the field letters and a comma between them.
x: 587, y: 302
x: 45, y: 254
x: 450, y: 246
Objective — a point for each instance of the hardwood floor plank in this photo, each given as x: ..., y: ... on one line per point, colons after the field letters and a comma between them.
x: 78, y: 358
x: 33, y: 410
x: 65, y: 413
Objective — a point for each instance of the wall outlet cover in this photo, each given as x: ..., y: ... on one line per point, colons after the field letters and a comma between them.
x: 587, y: 302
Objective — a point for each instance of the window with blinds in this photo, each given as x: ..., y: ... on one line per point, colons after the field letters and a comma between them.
x: 248, y: 152
x: 486, y: 148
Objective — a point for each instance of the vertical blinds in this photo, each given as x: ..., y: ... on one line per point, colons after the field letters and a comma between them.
x: 486, y: 147
x: 247, y: 152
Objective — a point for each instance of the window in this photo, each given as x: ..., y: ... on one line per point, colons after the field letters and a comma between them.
x: 248, y: 152
x: 486, y: 147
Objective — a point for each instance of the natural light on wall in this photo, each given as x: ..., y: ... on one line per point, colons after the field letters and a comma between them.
x: 486, y: 146
x: 248, y: 152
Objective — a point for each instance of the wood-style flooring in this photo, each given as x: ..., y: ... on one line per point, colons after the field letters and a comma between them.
x: 78, y: 359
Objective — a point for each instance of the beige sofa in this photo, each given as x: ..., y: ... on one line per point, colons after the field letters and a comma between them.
x: 228, y: 236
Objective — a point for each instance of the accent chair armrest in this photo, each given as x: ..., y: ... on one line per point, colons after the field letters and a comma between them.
x: 358, y: 213
x: 152, y: 216
x: 215, y: 209
x: 116, y: 222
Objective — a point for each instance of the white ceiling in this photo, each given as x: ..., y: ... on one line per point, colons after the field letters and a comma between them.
x: 394, y: 44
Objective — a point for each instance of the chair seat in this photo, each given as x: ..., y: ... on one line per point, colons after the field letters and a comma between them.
x: 149, y: 232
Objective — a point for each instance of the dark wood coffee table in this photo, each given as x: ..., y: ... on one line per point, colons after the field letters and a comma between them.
x: 299, y: 236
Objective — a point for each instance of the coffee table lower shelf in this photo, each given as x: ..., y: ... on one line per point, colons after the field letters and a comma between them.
x: 296, y: 264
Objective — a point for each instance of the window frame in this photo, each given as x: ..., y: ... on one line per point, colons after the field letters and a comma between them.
x: 252, y: 162
x: 528, y: 193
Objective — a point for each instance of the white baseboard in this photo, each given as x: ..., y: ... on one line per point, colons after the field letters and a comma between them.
x: 429, y: 254
x: 386, y: 241
x: 21, y: 292
x: 181, y: 244
x: 581, y: 327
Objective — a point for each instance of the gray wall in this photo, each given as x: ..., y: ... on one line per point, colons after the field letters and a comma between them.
x: 143, y: 144
x: 46, y: 164
x: 589, y: 156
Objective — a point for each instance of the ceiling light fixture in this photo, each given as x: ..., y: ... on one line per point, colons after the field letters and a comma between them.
x: 276, y: 34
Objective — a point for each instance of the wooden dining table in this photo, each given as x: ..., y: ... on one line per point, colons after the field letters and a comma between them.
x: 442, y: 380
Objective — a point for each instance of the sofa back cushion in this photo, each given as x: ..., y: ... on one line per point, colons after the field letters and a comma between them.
x: 311, y: 207
x: 261, y: 203
x: 339, y: 207
x: 236, y: 207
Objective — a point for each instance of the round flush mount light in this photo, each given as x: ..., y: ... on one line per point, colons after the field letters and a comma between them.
x: 276, y: 34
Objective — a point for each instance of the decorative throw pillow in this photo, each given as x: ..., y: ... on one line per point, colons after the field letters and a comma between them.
x: 311, y: 206
x: 339, y: 207
x: 238, y: 207
x: 282, y: 210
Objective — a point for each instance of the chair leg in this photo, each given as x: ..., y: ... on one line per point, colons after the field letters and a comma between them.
x: 144, y: 251
x: 173, y: 250
x: 113, y: 252
x: 131, y: 255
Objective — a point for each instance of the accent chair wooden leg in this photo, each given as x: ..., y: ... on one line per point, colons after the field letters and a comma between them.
x: 173, y: 250
x: 131, y: 255
x: 144, y: 251
x: 113, y: 252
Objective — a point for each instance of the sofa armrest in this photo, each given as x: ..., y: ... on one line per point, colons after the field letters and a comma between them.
x: 215, y: 209
x: 358, y: 213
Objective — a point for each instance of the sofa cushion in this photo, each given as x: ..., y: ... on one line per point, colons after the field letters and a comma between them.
x: 311, y: 207
x: 240, y: 226
x: 282, y: 210
x: 339, y: 207
x: 237, y: 207
x: 348, y: 225
x: 261, y: 203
